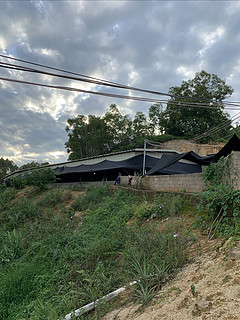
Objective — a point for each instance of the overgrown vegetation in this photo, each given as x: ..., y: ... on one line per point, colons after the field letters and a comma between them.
x: 219, y: 206
x: 38, y: 177
x: 53, y: 262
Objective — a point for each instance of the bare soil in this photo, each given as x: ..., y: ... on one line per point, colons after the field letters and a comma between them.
x: 214, y: 274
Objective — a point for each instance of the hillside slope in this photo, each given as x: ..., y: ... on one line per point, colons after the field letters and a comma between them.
x: 215, y: 275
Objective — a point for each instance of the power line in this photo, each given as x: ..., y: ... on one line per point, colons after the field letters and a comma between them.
x: 216, y: 129
x: 89, y: 79
x: 134, y: 98
x: 105, y: 82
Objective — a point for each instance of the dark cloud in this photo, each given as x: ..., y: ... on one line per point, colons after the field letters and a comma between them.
x: 148, y: 44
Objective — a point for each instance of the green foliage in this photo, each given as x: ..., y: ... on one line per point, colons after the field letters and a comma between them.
x: 173, y: 205
x: 91, y: 135
x: 6, y: 196
x: 184, y: 120
x: 12, y: 246
x: 37, y: 177
x: 41, y: 177
x: 33, y: 164
x: 193, y: 290
x: 92, y: 198
x: 149, y: 278
x: 54, y: 198
x: 56, y: 263
x: 6, y: 167
x: 18, y: 287
x: 20, y: 212
x: 19, y: 182
x: 2, y: 187
x: 220, y: 202
x: 43, y: 310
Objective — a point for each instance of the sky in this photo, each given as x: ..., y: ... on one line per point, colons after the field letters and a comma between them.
x: 148, y: 44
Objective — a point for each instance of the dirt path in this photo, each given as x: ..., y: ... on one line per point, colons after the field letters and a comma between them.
x: 215, y: 275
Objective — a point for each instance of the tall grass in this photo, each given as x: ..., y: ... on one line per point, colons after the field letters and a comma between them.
x: 51, y: 265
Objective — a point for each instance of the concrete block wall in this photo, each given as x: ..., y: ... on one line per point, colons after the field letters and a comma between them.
x: 168, y: 183
x: 235, y: 168
x: 174, y: 183
x: 191, y: 183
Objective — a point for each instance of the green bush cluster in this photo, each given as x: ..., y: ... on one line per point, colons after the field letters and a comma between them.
x: 219, y: 207
x: 37, y: 177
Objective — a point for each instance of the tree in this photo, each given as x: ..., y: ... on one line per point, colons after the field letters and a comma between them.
x: 154, y: 119
x: 181, y: 118
x: 6, y: 167
x: 119, y: 128
x: 88, y: 136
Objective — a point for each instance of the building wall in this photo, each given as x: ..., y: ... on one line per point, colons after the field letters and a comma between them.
x: 169, y: 183
x: 235, y: 168
x: 191, y: 183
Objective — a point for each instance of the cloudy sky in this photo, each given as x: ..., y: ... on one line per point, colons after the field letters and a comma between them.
x: 147, y: 44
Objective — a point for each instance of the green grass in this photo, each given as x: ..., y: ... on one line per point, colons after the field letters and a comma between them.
x: 53, y: 263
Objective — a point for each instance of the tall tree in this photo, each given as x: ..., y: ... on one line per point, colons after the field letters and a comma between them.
x: 119, y: 127
x: 6, y: 167
x: 87, y: 136
x: 154, y: 119
x: 183, y: 119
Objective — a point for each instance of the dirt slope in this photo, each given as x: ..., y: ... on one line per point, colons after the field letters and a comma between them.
x: 215, y: 274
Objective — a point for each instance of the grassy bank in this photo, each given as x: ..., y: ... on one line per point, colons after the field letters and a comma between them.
x: 61, y: 249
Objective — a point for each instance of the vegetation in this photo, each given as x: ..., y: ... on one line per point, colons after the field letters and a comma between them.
x: 219, y: 208
x: 6, y: 167
x: 91, y: 135
x: 53, y: 261
x: 38, y: 177
x: 182, y: 119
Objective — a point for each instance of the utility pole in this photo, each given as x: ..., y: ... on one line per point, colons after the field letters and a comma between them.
x: 144, y: 157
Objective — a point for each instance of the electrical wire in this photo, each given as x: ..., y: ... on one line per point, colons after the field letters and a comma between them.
x: 216, y: 129
x: 109, y: 83
x: 134, y: 98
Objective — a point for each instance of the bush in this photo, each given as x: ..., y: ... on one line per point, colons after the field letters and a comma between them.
x: 37, y: 177
x: 220, y: 202
x: 19, y: 182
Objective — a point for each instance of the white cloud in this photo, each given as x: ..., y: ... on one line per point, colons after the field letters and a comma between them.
x: 149, y: 44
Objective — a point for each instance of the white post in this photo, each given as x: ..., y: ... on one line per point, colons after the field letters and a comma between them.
x: 144, y: 157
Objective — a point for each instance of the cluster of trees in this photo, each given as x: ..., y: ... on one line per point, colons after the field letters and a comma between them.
x: 183, y: 118
x: 92, y: 135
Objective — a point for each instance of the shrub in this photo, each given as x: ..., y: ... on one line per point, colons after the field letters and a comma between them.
x: 220, y: 201
x: 41, y: 177
x: 37, y: 177
x: 19, y: 182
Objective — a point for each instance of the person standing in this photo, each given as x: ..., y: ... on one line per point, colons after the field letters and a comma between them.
x: 130, y: 180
